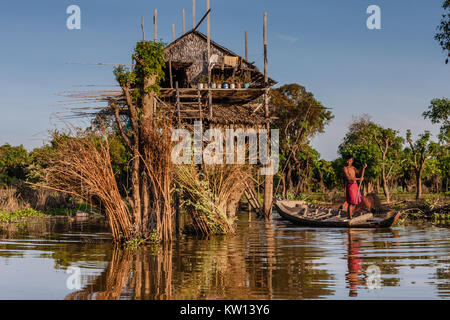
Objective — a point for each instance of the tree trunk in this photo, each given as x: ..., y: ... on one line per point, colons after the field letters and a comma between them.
x: 384, y: 182
x: 418, y: 184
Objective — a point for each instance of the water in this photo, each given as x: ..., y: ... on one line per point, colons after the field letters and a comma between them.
x: 262, y: 261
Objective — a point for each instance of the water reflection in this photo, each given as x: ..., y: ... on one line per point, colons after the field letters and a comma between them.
x: 262, y: 261
x: 354, y: 264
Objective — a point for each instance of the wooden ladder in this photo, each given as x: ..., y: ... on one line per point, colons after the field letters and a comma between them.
x: 252, y: 199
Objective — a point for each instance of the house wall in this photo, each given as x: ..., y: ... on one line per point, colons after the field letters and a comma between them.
x: 194, y: 48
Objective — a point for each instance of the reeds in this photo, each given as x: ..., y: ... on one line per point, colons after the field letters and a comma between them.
x: 81, y: 166
x: 208, y: 196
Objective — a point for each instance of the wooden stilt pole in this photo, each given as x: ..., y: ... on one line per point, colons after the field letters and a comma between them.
x: 246, y: 46
x: 143, y: 30
x: 184, y: 22
x: 155, y: 24
x: 193, y: 14
x: 177, y: 213
x: 170, y: 73
x: 178, y: 102
x: 208, y: 28
x: 268, y: 179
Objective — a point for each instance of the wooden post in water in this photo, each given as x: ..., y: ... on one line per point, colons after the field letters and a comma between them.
x: 177, y: 213
x: 208, y: 29
x: 184, y: 22
x: 155, y: 24
x: 268, y: 179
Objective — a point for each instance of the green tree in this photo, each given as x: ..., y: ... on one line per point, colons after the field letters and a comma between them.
x: 299, y: 117
x: 389, y: 145
x: 443, y: 35
x: 421, y: 149
x: 14, y: 162
x: 439, y: 112
x: 375, y: 145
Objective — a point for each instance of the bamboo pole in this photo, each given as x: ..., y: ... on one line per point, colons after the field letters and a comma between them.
x: 170, y: 73
x: 208, y: 28
x: 265, y: 49
x: 246, y: 46
x: 173, y: 32
x: 184, y: 22
x: 199, y: 101
x: 268, y: 179
x: 143, y: 31
x: 155, y: 25
x: 178, y: 102
x: 193, y: 13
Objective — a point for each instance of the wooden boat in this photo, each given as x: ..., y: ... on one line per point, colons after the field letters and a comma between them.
x: 81, y: 214
x: 304, y: 214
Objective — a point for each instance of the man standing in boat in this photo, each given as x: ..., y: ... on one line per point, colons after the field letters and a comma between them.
x: 352, y: 193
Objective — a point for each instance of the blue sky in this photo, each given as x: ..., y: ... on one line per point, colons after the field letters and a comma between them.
x: 390, y: 74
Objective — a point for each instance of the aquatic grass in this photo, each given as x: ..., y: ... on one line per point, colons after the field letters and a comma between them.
x: 20, y: 214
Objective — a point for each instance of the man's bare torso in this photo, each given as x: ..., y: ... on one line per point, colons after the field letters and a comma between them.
x: 350, y: 173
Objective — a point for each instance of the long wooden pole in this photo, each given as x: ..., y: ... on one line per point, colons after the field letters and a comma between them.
x: 155, y: 24
x: 268, y: 179
x: 246, y: 46
x: 208, y: 29
x: 265, y: 49
x: 143, y: 30
x: 193, y: 13
x: 173, y: 32
x: 170, y: 73
x: 184, y: 22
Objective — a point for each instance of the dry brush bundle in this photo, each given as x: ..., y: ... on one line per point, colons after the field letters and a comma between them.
x: 81, y: 166
x: 156, y: 157
x: 208, y: 195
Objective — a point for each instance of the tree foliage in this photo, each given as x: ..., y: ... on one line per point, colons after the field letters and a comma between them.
x: 443, y: 35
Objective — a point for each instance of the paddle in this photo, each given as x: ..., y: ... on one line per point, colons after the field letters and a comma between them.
x: 359, y: 186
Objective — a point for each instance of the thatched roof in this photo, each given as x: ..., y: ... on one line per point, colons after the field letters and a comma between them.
x: 192, y: 47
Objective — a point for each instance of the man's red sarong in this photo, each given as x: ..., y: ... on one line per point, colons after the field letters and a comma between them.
x: 352, y: 194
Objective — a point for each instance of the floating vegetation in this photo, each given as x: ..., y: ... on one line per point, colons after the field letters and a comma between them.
x: 19, y: 215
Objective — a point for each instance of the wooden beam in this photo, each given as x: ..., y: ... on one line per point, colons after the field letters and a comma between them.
x: 201, y: 20
x: 155, y: 24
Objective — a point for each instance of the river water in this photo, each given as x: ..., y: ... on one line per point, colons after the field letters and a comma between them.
x: 74, y: 259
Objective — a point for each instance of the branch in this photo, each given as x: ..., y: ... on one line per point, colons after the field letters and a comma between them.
x: 119, y: 124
